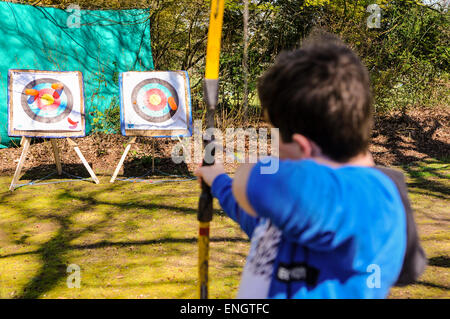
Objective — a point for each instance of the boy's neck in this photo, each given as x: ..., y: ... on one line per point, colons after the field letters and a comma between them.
x: 362, y: 159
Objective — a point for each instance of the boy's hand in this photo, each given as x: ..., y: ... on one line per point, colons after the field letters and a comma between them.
x: 209, y: 173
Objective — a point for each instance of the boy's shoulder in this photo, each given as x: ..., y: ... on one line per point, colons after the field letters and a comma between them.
x: 308, y: 170
x: 318, y: 187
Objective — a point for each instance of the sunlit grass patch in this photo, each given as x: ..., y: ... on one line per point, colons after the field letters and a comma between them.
x: 136, y: 240
x: 131, y: 240
x: 429, y: 187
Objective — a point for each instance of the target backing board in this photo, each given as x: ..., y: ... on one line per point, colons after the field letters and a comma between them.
x: 45, y: 104
x: 155, y: 103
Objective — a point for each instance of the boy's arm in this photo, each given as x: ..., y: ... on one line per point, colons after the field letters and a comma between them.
x: 240, y: 188
x: 221, y: 189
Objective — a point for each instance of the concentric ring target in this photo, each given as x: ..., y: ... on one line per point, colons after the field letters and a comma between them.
x: 47, y: 100
x: 155, y: 100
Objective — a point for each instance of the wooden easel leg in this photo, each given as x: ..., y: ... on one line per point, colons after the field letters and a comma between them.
x: 83, y: 160
x: 23, y: 156
x: 57, y: 158
x: 122, y: 159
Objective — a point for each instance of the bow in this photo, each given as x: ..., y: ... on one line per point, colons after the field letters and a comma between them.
x: 210, y: 95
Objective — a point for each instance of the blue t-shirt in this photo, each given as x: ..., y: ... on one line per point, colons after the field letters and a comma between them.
x: 321, y: 232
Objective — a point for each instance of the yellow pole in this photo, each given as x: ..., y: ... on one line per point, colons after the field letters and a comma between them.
x: 214, y: 39
x: 210, y: 91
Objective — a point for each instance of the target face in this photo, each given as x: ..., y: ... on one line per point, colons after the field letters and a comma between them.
x: 151, y: 99
x: 47, y: 100
x: 45, y: 103
x: 155, y: 103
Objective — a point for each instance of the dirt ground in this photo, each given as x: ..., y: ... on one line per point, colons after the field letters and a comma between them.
x: 398, y: 139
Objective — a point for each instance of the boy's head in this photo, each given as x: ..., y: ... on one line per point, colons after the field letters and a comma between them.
x: 320, y: 91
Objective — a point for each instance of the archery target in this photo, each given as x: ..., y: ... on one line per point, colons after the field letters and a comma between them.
x: 45, y: 101
x: 155, y: 103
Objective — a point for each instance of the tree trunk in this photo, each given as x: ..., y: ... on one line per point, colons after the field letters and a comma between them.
x: 245, y: 60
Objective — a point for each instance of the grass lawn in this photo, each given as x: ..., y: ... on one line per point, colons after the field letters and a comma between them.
x: 136, y: 240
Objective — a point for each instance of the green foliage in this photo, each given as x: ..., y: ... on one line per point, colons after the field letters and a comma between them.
x: 408, y: 57
x: 107, y: 121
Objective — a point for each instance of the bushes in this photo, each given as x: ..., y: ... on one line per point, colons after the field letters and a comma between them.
x: 107, y: 121
x: 408, y: 57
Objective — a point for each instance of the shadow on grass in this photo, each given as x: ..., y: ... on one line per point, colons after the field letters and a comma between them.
x: 431, y: 285
x: 432, y: 184
x: 440, y: 261
x: 105, y: 244
x: 142, y: 166
x: 42, y: 170
x: 53, y: 253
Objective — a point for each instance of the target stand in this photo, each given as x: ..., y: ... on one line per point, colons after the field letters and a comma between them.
x: 131, y: 141
x: 25, y: 143
x: 154, y: 104
x: 47, y: 104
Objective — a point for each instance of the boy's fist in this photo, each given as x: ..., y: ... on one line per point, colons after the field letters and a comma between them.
x: 209, y: 173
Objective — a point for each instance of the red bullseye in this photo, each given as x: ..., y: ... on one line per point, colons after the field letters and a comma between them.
x: 47, y: 101
x: 155, y: 99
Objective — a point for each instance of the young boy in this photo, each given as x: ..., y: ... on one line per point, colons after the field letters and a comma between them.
x: 327, y: 224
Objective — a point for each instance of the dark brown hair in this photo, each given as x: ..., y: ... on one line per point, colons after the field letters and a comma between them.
x: 321, y: 91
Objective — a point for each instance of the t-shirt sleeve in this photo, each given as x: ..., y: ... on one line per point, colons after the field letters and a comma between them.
x: 300, y: 198
x: 221, y: 189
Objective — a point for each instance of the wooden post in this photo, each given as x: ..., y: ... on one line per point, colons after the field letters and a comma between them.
x: 83, y: 160
x: 23, y: 156
x: 56, y: 154
x: 131, y: 141
x: 245, y: 60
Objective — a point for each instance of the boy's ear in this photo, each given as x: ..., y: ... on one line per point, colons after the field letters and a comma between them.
x: 307, y: 147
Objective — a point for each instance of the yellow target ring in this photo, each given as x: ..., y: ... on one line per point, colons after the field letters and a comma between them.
x: 47, y: 99
x: 154, y: 99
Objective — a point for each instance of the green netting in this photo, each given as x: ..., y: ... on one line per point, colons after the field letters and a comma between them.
x: 104, y: 44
